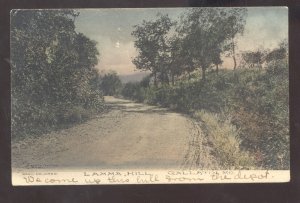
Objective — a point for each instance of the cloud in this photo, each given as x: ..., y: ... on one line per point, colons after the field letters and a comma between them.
x: 117, y: 56
x: 111, y: 28
x: 265, y: 27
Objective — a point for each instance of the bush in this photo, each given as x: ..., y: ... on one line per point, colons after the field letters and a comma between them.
x: 261, y: 111
x: 133, y: 91
x: 110, y: 84
x: 75, y: 114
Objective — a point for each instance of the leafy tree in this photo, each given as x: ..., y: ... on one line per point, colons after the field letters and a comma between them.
x: 111, y: 84
x: 279, y: 53
x: 235, y: 20
x: 258, y: 57
x: 151, y: 43
x: 202, y: 30
x: 253, y: 58
x: 178, y: 58
x: 216, y: 60
x: 145, y: 82
x: 52, y: 67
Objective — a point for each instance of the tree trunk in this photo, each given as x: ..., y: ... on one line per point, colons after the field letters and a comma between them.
x: 217, y: 68
x: 167, y: 79
x: 234, y: 61
x: 173, y: 83
x: 155, y: 79
x: 203, y: 74
x: 233, y: 53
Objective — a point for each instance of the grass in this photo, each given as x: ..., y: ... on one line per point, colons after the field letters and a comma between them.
x: 224, y: 138
x: 55, y: 120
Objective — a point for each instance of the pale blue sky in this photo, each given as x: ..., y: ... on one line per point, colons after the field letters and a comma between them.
x: 265, y: 28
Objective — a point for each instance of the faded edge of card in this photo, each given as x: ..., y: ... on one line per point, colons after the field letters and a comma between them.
x: 115, y: 177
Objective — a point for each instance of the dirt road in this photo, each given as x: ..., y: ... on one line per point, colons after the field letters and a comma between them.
x: 129, y: 135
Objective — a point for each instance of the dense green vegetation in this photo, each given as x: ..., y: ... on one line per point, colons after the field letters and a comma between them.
x: 254, y: 101
x: 53, y: 80
x: 244, y: 111
x: 110, y: 84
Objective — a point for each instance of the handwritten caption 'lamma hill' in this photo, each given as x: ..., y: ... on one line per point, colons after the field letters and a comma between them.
x: 143, y: 177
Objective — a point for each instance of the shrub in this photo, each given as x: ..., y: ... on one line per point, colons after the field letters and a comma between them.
x: 110, y: 84
x: 261, y: 112
x: 134, y: 91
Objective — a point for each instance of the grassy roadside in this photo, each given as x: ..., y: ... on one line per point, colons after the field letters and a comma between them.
x: 223, y: 137
x: 55, y: 121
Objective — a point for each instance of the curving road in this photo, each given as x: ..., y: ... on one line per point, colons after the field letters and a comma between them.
x: 129, y: 135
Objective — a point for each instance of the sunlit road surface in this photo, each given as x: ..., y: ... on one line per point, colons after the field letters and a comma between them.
x: 129, y: 135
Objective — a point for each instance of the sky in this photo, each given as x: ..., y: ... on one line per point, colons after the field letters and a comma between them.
x: 265, y: 28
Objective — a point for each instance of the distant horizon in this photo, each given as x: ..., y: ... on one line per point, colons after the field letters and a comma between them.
x: 111, y: 28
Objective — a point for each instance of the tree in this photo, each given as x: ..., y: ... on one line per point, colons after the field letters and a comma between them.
x: 216, y: 60
x: 279, y: 53
x: 177, y: 58
x: 111, y: 84
x: 253, y: 58
x: 151, y: 43
x: 235, y: 20
x: 52, y: 67
x: 202, y: 31
x: 36, y: 36
x: 145, y: 82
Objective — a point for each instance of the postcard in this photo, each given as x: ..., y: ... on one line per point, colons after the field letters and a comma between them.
x: 149, y: 96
